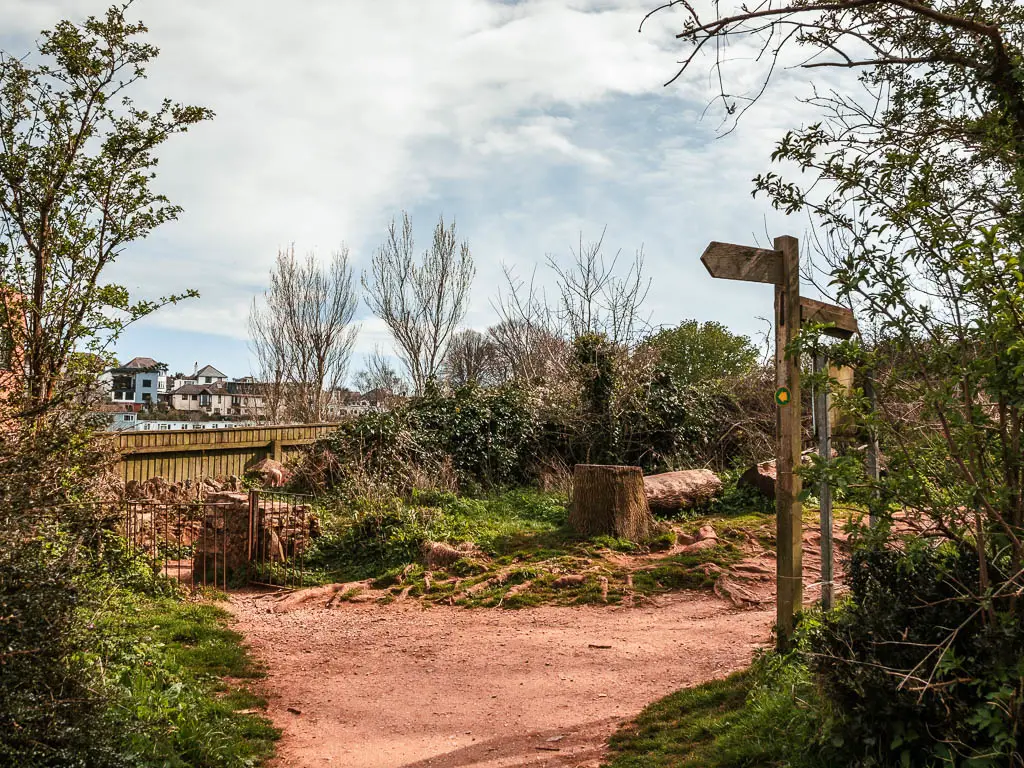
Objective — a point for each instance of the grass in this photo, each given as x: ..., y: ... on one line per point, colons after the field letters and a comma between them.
x: 757, y: 718
x: 178, y: 683
x: 523, y: 547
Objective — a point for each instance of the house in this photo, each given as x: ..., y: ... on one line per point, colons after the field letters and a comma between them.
x: 136, y: 384
x: 213, y: 399
x: 347, y: 403
x: 209, y: 375
x: 122, y: 421
x: 208, y: 391
x: 246, y: 397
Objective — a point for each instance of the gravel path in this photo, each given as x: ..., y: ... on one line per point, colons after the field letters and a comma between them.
x: 403, y: 686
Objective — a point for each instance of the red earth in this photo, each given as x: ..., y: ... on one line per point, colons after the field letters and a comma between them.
x: 407, y: 685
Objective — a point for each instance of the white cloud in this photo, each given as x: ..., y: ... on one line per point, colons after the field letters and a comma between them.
x: 333, y: 116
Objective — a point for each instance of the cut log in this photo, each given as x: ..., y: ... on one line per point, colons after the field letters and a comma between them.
x: 681, y: 490
x: 610, y: 500
x: 760, y: 477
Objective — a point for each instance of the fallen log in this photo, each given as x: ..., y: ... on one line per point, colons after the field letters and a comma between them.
x: 685, y: 489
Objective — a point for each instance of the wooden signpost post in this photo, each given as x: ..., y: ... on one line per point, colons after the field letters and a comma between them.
x: 781, y: 267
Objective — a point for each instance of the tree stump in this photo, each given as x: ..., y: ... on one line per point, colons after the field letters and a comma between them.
x: 610, y: 500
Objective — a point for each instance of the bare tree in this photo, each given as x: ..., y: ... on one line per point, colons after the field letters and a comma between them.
x: 472, y: 359
x: 593, y: 295
x: 422, y: 302
x: 302, y: 334
x: 594, y: 298
x: 271, y: 362
x: 526, y: 350
x: 379, y: 374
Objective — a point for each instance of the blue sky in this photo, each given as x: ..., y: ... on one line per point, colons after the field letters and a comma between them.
x: 528, y: 122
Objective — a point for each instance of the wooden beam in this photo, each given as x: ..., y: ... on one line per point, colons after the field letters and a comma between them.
x: 788, y: 509
x: 741, y: 262
x: 214, y: 447
x: 823, y: 425
x: 842, y: 320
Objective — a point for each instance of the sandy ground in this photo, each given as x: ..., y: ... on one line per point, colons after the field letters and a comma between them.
x: 367, y: 686
x: 405, y: 685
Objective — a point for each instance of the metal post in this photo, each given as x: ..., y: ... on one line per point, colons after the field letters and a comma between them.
x: 824, y: 429
x: 254, y: 522
x: 789, y: 517
x: 224, y: 519
x: 872, y: 458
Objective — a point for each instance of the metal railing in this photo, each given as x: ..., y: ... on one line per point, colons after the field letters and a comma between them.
x: 259, y: 539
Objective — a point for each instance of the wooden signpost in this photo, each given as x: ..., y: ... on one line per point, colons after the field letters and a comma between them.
x: 781, y: 267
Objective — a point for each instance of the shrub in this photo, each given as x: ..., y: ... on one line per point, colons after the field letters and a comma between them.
x: 477, y: 438
x: 487, y: 433
x: 50, y: 711
x: 920, y: 672
x: 370, y: 538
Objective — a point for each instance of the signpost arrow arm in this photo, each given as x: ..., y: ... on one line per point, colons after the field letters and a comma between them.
x: 741, y: 262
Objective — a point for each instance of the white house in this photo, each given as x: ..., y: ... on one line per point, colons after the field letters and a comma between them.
x: 138, y: 382
x: 209, y: 375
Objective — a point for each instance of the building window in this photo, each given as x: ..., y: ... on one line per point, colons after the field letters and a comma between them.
x: 147, y: 383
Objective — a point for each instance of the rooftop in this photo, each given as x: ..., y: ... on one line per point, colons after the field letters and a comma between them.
x: 199, y: 389
x: 140, y: 363
x: 209, y: 370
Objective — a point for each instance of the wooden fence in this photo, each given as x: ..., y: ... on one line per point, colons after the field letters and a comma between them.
x: 192, y: 454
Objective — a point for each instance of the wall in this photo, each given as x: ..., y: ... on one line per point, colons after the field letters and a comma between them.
x: 182, y: 455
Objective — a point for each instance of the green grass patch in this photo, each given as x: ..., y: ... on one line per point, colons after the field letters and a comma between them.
x: 165, y: 664
x: 514, y: 533
x: 763, y: 717
x: 366, y: 541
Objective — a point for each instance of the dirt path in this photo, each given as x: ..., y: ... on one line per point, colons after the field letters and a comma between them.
x: 368, y: 686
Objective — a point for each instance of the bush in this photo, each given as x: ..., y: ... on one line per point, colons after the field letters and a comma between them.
x: 51, y: 713
x: 474, y: 437
x: 486, y: 433
x: 920, y: 673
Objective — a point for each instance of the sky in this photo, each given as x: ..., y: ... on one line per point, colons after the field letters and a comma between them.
x: 530, y: 123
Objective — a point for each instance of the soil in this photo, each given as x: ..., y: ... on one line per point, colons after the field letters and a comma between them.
x: 405, y: 685
x: 411, y: 685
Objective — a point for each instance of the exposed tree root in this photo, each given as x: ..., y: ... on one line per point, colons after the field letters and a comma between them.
x: 297, y: 599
